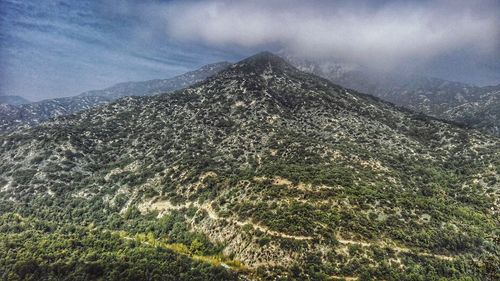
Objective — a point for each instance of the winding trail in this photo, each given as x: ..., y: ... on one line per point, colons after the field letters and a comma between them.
x: 212, y: 214
x: 163, y: 206
x: 347, y: 278
x: 397, y: 249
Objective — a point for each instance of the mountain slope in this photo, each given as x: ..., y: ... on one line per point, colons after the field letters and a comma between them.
x: 483, y: 112
x: 13, y: 100
x: 281, y: 171
x: 471, y: 105
x: 12, y: 116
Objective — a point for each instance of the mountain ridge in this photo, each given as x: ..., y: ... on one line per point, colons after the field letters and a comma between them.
x: 453, y: 101
x: 12, y: 116
x: 156, y: 86
x: 13, y: 100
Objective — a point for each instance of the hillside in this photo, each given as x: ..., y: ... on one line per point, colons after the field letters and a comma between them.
x: 476, y: 107
x: 483, y: 112
x: 12, y: 117
x: 15, y: 115
x: 265, y: 170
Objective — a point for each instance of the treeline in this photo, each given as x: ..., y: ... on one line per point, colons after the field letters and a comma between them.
x: 38, y: 250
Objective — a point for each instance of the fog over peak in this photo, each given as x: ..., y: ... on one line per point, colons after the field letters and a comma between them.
x: 379, y: 35
x: 54, y: 48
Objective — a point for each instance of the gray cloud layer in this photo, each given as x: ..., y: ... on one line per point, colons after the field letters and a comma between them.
x: 53, y: 48
x: 381, y: 34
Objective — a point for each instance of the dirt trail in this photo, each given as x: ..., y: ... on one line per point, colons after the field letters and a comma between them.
x: 353, y: 242
x: 347, y: 278
x: 397, y: 249
x: 212, y: 214
x: 163, y: 206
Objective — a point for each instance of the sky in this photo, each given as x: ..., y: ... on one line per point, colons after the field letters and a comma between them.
x: 55, y: 48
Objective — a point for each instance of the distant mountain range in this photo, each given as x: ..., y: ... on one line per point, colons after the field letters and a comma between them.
x: 476, y: 107
x: 261, y: 171
x: 13, y: 100
x: 158, y: 86
x: 14, y: 113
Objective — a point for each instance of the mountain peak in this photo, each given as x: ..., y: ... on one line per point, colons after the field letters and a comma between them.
x: 264, y: 61
x: 265, y: 58
x: 213, y: 66
x: 264, y: 55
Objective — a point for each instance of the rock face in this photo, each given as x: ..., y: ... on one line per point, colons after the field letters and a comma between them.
x: 476, y: 107
x: 15, y: 115
x: 294, y: 176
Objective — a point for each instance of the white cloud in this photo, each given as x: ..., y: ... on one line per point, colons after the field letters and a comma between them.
x: 382, y: 35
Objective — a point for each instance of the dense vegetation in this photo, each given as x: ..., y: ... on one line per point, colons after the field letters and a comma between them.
x: 38, y: 250
x: 473, y: 106
x: 266, y: 170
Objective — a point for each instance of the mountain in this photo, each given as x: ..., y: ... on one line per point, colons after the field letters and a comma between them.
x: 266, y: 171
x: 13, y: 100
x: 476, y: 107
x: 482, y: 112
x: 13, y: 116
x: 158, y: 86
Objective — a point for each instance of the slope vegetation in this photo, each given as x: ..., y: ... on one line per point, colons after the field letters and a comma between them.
x: 274, y: 173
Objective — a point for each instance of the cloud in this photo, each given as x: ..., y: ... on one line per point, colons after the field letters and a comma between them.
x: 53, y: 48
x: 374, y: 33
